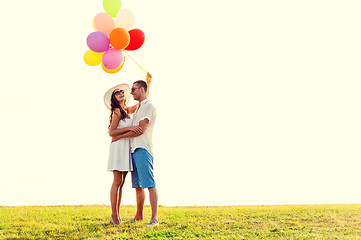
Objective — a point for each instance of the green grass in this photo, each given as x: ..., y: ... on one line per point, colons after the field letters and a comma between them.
x: 234, y: 222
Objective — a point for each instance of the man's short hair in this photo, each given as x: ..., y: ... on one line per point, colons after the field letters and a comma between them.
x: 142, y: 84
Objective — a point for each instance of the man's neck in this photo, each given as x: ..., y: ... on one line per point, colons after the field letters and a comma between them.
x: 142, y: 99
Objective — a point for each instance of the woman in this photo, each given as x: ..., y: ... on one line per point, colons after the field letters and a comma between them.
x: 119, y: 161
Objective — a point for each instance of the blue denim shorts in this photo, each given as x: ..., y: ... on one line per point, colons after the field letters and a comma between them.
x: 142, y: 174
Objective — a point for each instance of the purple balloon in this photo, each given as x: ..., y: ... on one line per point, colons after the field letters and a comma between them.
x: 98, y: 42
x: 113, y: 58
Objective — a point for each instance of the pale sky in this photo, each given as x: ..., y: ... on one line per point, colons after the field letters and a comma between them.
x: 258, y: 102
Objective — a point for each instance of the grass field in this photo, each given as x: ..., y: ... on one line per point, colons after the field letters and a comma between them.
x: 233, y: 222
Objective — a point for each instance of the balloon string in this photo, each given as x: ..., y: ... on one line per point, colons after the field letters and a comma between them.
x: 135, y: 62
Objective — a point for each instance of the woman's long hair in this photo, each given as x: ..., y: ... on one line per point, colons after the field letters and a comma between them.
x: 115, y: 104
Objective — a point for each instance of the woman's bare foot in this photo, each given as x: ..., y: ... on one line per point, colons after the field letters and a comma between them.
x: 115, y: 220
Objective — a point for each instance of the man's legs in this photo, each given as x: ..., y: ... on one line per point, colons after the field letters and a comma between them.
x: 140, y: 203
x: 153, y: 198
x: 142, y: 177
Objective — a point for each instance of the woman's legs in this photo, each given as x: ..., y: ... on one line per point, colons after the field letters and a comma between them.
x: 115, y: 193
x: 123, y: 175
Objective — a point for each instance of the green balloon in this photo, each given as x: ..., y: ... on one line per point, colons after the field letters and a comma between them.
x: 112, y: 7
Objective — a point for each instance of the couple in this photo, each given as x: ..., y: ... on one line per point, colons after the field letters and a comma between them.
x: 131, y: 147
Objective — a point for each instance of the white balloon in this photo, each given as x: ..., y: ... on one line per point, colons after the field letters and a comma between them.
x: 124, y: 19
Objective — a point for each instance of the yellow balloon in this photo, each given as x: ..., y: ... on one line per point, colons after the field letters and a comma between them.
x: 93, y: 24
x: 93, y: 58
x: 113, y: 70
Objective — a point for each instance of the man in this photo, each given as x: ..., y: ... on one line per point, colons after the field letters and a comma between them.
x: 142, y: 155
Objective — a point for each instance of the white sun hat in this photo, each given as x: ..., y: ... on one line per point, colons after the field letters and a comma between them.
x: 108, y: 95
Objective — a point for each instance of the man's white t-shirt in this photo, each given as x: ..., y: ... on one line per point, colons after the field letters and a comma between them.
x: 145, y: 110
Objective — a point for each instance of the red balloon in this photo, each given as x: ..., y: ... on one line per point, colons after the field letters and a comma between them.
x: 137, y: 38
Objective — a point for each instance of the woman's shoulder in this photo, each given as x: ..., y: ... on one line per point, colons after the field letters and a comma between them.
x: 116, y: 110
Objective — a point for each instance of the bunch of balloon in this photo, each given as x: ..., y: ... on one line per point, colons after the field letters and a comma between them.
x: 113, y: 35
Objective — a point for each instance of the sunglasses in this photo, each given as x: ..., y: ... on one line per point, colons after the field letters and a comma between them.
x: 119, y: 92
x: 133, y: 89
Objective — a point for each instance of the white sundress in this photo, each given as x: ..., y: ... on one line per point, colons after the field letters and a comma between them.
x: 119, y: 152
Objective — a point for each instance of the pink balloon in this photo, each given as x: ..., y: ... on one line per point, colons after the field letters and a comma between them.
x: 113, y: 58
x: 98, y: 42
x: 104, y: 23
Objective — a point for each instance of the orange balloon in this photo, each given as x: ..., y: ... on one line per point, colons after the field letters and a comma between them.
x: 119, y: 38
x: 113, y: 70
